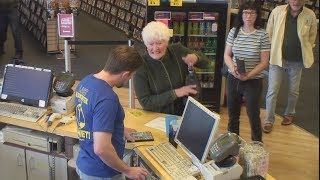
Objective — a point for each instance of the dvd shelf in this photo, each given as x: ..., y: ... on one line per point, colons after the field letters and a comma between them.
x: 39, y: 18
x: 33, y: 16
x: 125, y: 15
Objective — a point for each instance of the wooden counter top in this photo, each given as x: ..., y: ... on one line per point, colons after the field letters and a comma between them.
x: 294, y: 152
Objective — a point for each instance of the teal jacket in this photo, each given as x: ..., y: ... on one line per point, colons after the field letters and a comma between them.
x: 8, y: 4
x: 155, y: 81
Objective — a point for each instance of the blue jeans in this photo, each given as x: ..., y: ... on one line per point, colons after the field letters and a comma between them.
x: 84, y: 176
x: 251, y: 90
x: 10, y: 17
x: 276, y: 73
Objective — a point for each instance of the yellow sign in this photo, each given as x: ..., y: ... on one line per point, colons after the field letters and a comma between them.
x: 153, y: 2
x: 135, y: 112
x: 176, y: 3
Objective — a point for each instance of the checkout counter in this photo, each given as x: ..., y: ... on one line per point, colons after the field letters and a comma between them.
x: 135, y: 118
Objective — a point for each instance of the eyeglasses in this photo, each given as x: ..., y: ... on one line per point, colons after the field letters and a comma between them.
x: 249, y: 13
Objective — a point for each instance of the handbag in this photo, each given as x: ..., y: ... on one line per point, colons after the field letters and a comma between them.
x: 224, y: 69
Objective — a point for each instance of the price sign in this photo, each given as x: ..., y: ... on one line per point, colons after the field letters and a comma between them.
x: 176, y: 3
x: 153, y: 2
x: 65, y: 25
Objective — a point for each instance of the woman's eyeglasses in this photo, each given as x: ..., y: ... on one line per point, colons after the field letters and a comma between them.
x: 252, y: 13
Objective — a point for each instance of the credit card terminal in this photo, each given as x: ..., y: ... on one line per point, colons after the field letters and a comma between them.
x: 63, y: 84
x: 225, y: 146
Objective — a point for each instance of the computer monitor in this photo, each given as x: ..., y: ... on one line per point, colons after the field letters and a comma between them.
x: 197, y: 130
x: 27, y: 85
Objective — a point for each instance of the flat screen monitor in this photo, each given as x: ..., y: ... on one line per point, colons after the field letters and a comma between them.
x: 27, y: 85
x: 197, y: 130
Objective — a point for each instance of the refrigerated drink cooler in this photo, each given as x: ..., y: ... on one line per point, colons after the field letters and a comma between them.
x: 201, y: 27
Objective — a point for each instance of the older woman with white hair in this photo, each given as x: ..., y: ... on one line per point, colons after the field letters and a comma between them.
x: 160, y: 83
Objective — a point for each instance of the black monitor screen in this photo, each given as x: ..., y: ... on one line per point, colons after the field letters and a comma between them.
x: 28, y: 85
x: 197, y: 129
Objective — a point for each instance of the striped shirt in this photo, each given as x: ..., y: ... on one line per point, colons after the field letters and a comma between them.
x: 247, y: 47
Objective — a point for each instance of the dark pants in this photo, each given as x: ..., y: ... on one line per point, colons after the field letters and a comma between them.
x: 10, y: 17
x: 251, y: 90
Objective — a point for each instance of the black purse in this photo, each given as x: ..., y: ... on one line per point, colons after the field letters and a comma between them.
x: 224, y: 69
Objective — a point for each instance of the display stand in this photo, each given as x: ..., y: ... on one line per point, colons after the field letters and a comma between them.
x: 66, y: 30
x: 62, y: 53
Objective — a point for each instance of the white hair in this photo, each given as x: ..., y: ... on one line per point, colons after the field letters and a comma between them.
x: 155, y: 31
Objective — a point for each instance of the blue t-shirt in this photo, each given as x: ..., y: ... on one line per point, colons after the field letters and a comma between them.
x: 98, y: 110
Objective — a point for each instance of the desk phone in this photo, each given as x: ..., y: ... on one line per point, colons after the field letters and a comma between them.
x: 142, y: 136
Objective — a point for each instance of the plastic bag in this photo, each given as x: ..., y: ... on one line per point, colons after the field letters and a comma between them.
x: 254, y: 159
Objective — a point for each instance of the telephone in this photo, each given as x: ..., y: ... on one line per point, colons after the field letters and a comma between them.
x: 225, y: 146
x: 63, y: 84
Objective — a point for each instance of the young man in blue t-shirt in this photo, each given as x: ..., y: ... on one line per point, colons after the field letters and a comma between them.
x: 100, y: 119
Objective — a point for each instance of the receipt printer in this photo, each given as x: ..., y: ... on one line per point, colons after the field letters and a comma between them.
x: 62, y: 105
x: 211, y: 171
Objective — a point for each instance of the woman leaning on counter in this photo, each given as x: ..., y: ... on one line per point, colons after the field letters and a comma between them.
x: 160, y: 83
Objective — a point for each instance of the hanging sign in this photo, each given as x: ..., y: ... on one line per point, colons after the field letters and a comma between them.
x: 153, y: 2
x: 65, y: 25
x: 176, y: 3
x: 195, y: 16
x: 162, y: 15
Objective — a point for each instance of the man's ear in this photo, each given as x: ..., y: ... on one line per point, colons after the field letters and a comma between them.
x: 126, y: 74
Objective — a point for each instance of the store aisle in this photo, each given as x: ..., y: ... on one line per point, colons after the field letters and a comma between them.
x: 91, y: 59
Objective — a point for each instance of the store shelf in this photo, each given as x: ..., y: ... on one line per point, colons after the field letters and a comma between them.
x: 33, y: 15
x: 125, y: 15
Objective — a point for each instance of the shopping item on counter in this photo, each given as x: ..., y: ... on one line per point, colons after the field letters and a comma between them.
x: 254, y: 159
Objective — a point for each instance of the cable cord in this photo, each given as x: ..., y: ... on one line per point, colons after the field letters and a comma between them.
x: 132, y: 149
x: 52, y: 166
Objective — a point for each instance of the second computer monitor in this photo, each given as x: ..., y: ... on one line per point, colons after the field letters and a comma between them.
x: 197, y: 130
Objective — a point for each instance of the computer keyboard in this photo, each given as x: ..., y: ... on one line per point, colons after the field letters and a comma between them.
x: 176, y: 165
x: 22, y: 112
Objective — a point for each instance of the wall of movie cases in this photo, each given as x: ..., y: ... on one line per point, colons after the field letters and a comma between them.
x: 122, y: 14
x: 33, y: 15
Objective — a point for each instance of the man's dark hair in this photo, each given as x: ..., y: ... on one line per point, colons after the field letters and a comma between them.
x: 123, y: 58
x: 249, y: 5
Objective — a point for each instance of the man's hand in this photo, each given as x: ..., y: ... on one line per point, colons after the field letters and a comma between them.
x: 136, y: 173
x: 190, y: 59
x: 186, y: 90
x: 127, y: 134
